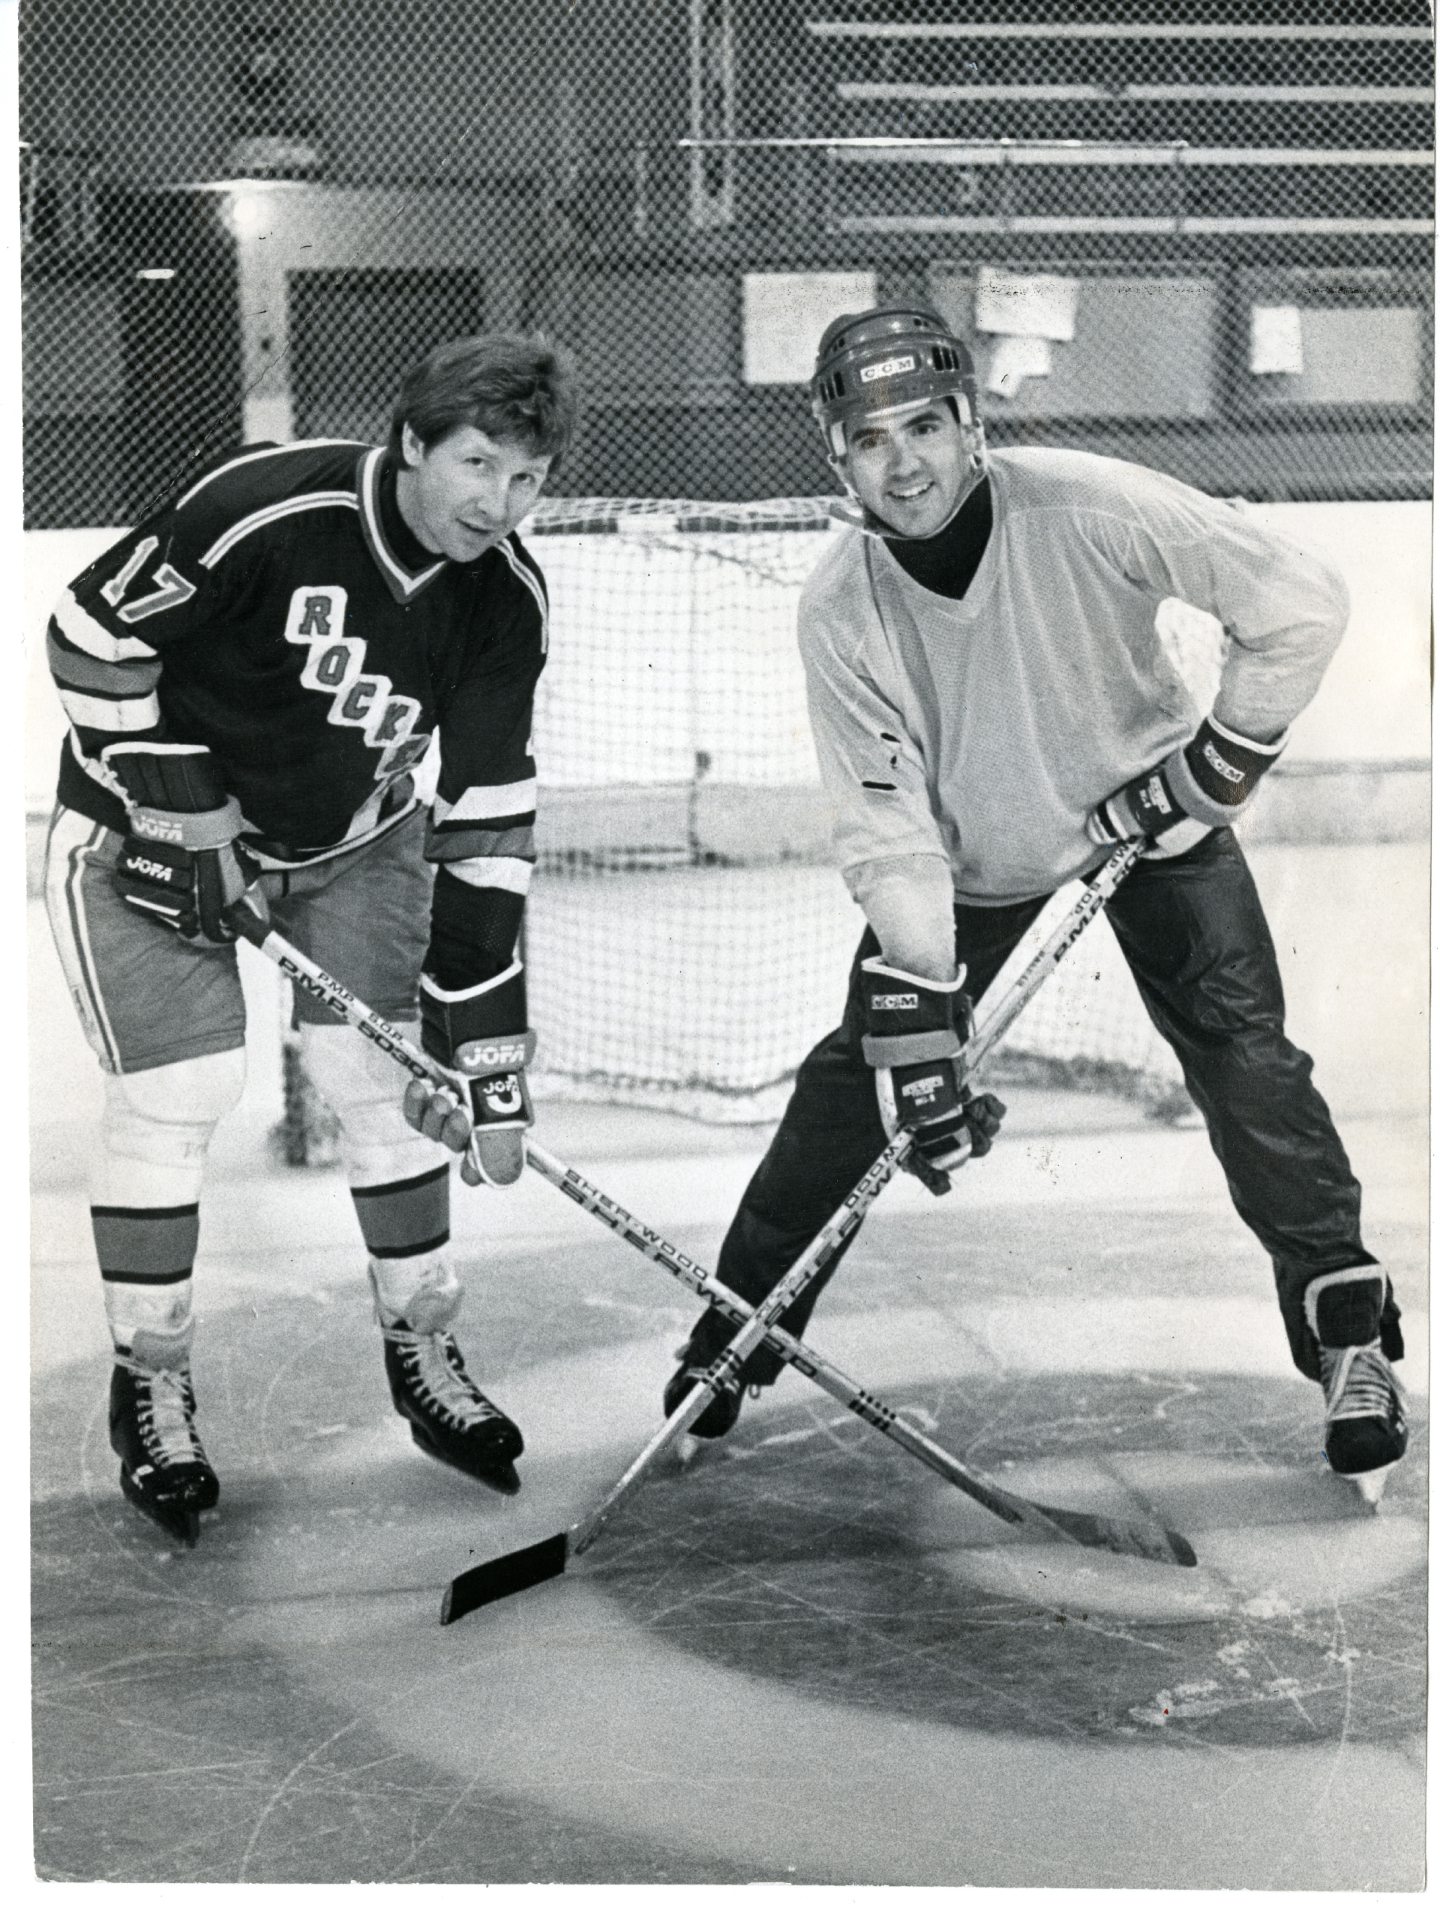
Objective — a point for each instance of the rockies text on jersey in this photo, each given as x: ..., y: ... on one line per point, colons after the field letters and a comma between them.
x: 280, y: 612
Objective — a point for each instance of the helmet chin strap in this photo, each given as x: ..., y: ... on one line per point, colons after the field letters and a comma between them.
x: 859, y: 516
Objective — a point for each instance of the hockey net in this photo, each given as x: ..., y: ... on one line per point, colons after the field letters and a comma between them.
x: 1194, y: 233
x: 688, y: 937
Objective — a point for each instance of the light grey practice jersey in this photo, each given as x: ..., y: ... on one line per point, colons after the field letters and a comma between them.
x: 987, y: 729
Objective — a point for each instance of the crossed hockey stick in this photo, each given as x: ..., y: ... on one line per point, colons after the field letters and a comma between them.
x: 539, y: 1562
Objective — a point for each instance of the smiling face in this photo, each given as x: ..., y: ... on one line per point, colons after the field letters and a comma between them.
x: 465, y: 493
x: 911, y: 467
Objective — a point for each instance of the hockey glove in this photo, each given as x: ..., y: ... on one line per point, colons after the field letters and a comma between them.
x: 913, y: 1039
x: 479, y: 1035
x: 1199, y: 788
x: 179, y: 862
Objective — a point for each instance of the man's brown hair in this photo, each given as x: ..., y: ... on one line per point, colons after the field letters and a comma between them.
x: 504, y: 383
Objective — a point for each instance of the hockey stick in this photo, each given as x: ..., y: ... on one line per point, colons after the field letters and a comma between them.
x: 523, y: 1569
x: 1149, y: 1541
x: 540, y: 1562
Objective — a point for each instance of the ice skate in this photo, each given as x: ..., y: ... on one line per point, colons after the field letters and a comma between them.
x: 719, y: 1416
x: 1365, y: 1429
x: 450, y: 1417
x: 1366, y: 1433
x: 164, y: 1471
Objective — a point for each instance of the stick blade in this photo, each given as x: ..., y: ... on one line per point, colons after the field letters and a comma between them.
x: 505, y: 1576
x: 1152, y: 1542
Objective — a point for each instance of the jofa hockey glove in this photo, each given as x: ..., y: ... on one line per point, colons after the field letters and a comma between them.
x: 479, y: 1035
x: 179, y: 862
x: 1201, y: 787
x: 915, y: 1032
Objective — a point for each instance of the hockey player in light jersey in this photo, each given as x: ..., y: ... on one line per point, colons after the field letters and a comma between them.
x: 993, y: 711
x: 251, y: 677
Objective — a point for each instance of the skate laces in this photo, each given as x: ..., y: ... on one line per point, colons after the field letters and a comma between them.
x: 1359, y: 1383
x: 164, y: 1414
x: 437, y: 1371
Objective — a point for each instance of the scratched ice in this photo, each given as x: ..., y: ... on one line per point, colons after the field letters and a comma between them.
x: 805, y: 1596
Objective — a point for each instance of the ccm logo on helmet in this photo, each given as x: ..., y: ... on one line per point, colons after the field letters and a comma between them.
x: 887, y: 367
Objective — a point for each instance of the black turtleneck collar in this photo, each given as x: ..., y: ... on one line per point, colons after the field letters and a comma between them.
x: 946, y: 562
x: 408, y: 548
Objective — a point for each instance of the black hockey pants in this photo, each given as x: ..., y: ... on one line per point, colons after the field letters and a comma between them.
x: 1194, y: 934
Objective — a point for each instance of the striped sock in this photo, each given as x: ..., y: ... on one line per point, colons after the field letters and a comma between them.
x: 406, y: 1226
x: 147, y: 1255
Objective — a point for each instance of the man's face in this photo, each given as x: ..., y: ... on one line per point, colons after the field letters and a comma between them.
x: 909, y: 467
x: 467, y: 492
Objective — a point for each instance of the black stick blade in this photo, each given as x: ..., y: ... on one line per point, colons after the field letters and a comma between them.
x: 1150, y: 1541
x: 505, y: 1576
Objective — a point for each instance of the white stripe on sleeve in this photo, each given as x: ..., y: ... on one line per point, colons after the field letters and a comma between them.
x: 493, y: 870
x: 117, y: 718
x: 485, y: 804
x: 77, y: 625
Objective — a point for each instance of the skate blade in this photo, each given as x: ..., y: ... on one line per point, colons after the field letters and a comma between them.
x: 500, y: 1476
x: 1371, y: 1483
x: 182, y: 1525
x: 504, y: 1479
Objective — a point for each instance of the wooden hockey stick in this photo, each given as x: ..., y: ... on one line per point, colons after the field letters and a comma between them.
x: 539, y: 1562
x: 1148, y: 1540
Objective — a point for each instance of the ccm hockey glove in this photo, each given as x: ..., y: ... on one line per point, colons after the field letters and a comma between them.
x: 1199, y: 788
x: 479, y: 1034
x: 912, y: 1041
x: 179, y: 862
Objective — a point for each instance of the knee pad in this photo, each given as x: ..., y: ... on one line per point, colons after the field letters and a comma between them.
x: 157, y: 1126
x: 363, y: 1088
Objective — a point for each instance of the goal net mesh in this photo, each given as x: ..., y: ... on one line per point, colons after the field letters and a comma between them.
x: 687, y: 939
x: 1194, y: 233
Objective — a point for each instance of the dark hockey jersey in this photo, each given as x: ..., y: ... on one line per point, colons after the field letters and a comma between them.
x: 280, y: 612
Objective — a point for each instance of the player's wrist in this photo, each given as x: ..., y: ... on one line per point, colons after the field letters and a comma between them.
x: 205, y: 831
x: 480, y: 1028
x: 910, y: 1020
x: 1217, y: 773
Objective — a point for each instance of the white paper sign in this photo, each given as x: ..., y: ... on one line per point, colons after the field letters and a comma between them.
x: 1021, y: 307
x: 1276, y: 343
x: 1015, y: 359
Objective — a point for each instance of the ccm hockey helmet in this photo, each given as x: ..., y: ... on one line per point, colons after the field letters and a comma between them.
x: 880, y: 360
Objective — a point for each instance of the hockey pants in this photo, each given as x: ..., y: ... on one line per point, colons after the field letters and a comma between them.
x: 1196, y: 940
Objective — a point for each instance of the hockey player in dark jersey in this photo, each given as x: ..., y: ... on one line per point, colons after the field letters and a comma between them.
x: 993, y: 711
x: 252, y: 677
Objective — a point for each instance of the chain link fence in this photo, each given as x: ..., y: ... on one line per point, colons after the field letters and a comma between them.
x: 1192, y: 231
x: 1196, y: 233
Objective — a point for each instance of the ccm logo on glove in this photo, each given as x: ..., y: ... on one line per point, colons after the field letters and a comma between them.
x: 1199, y: 788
